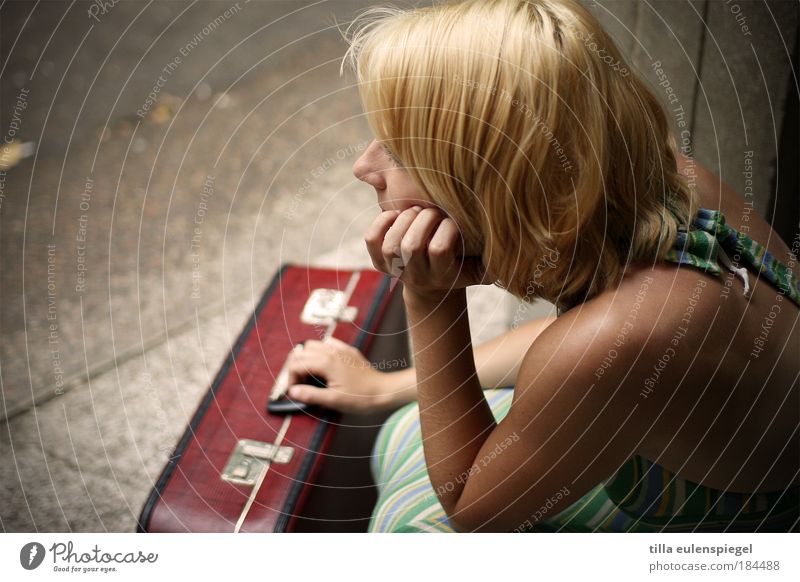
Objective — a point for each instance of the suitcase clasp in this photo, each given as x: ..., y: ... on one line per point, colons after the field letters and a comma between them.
x: 249, y: 459
x: 327, y: 305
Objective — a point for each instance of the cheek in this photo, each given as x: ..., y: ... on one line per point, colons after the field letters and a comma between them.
x: 387, y: 204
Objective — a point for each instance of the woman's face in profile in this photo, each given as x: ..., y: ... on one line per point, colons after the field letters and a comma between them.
x: 393, y: 184
x: 395, y: 188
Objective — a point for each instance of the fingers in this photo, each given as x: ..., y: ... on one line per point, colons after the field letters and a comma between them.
x: 395, y: 234
x: 442, y: 248
x: 331, y: 346
x: 318, y: 358
x: 329, y: 359
x: 306, y: 363
x: 384, y: 239
x: 332, y: 398
x: 302, y: 363
x: 313, y: 395
x: 445, y: 252
x: 376, y: 234
x: 423, y: 247
x: 415, y: 240
x: 391, y: 247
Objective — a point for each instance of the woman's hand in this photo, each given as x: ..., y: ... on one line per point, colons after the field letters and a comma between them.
x: 353, y: 385
x: 423, y: 248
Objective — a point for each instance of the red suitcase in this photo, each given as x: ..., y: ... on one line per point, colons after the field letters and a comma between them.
x: 240, y: 467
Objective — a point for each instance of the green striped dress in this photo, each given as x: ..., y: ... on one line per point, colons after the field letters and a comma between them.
x: 641, y: 496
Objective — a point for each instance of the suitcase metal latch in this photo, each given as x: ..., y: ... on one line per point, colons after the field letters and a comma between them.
x: 249, y: 459
x: 327, y: 305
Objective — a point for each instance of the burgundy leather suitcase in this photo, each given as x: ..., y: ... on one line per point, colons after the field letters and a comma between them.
x: 250, y: 456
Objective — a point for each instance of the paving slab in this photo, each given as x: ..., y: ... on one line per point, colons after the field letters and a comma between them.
x: 132, y: 226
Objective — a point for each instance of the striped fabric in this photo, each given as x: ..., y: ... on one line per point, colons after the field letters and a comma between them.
x: 640, y: 497
x: 406, y: 499
x: 700, y: 247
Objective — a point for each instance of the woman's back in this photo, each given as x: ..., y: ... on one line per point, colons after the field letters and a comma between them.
x: 723, y: 388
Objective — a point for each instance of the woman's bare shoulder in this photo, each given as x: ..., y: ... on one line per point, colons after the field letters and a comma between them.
x: 643, y: 311
x: 640, y: 297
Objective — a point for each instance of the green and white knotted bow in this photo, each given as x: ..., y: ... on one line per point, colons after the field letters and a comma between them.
x: 712, y: 239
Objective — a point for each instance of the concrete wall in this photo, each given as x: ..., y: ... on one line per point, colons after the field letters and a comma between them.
x: 729, y: 66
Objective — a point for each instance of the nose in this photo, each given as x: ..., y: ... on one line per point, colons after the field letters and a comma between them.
x: 367, y: 169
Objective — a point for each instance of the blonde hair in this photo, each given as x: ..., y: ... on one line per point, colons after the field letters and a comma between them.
x: 521, y: 120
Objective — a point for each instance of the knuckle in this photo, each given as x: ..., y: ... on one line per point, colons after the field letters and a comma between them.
x: 437, y: 250
x: 410, y: 247
x: 388, y: 249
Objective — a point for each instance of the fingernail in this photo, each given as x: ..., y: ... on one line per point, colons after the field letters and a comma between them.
x: 417, y: 208
x: 397, y: 267
x: 294, y: 391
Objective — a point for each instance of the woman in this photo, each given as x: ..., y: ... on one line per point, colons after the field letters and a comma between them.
x: 515, y: 147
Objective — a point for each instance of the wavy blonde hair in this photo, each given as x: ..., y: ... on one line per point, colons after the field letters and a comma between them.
x: 522, y: 121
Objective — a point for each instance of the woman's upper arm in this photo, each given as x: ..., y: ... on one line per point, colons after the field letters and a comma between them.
x: 566, y: 430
